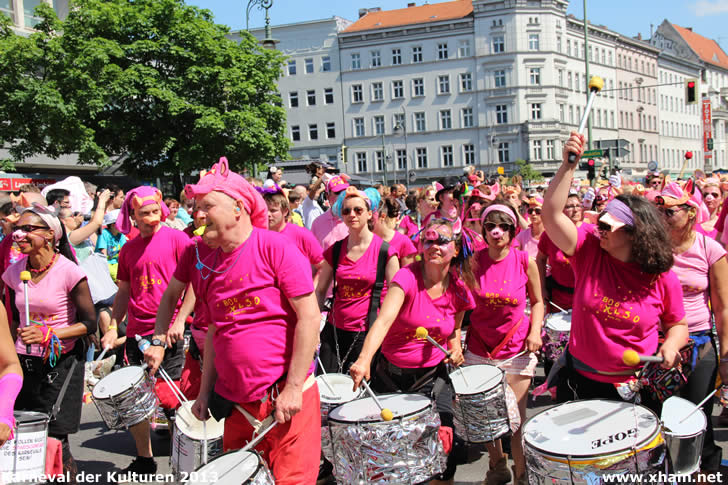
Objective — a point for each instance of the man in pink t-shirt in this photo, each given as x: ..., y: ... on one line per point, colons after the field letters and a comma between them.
x: 327, y: 227
x: 263, y: 329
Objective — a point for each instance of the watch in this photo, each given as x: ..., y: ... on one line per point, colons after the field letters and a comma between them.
x: 157, y: 343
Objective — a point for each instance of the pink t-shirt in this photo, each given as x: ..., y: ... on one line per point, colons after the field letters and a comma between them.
x: 692, y: 269
x: 409, y: 226
x: 528, y: 243
x: 711, y: 234
x: 247, y: 297
x: 561, y: 271
x: 200, y: 321
x: 720, y: 223
x: 402, y: 245
x: 401, y: 347
x: 328, y: 229
x: 148, y: 265
x: 305, y: 241
x: 617, y: 307
x: 354, y: 280
x: 500, y: 303
x: 49, y: 300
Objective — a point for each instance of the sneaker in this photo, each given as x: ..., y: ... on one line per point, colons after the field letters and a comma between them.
x: 141, y: 469
x: 325, y: 474
x: 499, y: 474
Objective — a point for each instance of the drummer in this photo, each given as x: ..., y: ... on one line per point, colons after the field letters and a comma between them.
x: 263, y: 330
x: 428, y: 293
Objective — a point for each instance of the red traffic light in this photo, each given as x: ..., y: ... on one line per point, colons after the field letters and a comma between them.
x: 590, y: 162
x: 691, y: 84
x: 688, y: 155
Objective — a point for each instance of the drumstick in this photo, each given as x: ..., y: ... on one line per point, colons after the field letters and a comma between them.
x: 175, y: 390
x: 25, y: 277
x: 384, y: 412
x: 258, y: 438
x: 632, y: 358
x: 511, y: 358
x: 558, y: 307
x: 595, y: 85
x: 324, y: 378
x: 698, y: 406
x: 421, y: 333
x: 103, y: 352
x: 204, y: 442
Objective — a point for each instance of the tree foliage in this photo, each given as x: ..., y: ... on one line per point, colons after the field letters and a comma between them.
x: 527, y: 172
x: 155, y: 82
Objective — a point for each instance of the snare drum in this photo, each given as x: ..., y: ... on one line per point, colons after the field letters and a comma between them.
x: 582, y: 442
x: 480, y: 411
x: 684, y: 440
x: 23, y: 458
x: 339, y: 392
x: 187, y: 442
x: 233, y: 468
x: 556, y: 334
x: 406, y: 450
x: 125, y: 397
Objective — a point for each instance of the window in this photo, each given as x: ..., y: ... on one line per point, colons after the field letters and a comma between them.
x: 536, y: 150
x: 571, y: 114
x: 355, y: 61
x: 398, y: 120
x: 446, y: 156
x: 445, y: 119
x: 329, y: 96
x: 418, y: 87
x: 379, y: 125
x: 357, y: 94
x: 443, y: 84
x: 417, y: 54
x: 311, y: 97
x: 550, y: 150
x: 326, y: 64
x: 396, y: 57
x: 293, y: 99
x: 468, y: 154
x: 498, y: 44
x: 442, y: 52
x: 420, y: 124
x: 295, y: 133
x: 422, y: 158
x: 467, y: 117
x: 292, y: 67
x: 361, y: 161
x: 500, y: 78
x: 562, y: 113
x: 561, y: 77
x: 535, y: 76
x: 309, y: 66
x: 533, y: 42
x: 464, y: 48
x: 397, y: 89
x: 501, y: 114
x: 535, y: 111
x: 377, y: 92
x: 568, y: 47
x: 330, y: 130
x: 504, y: 153
x: 358, y: 126
x: 379, y: 157
x: 558, y: 43
x: 313, y: 132
x: 401, y: 156
x: 466, y: 82
x: 376, y: 59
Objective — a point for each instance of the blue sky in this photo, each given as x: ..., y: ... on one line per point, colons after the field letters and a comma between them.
x: 628, y: 17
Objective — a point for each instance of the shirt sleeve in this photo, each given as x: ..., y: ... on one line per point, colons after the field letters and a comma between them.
x: 73, y: 274
x: 123, y: 272
x: 185, y: 264
x: 313, y: 248
x: 720, y: 223
x: 463, y: 298
x: 291, y: 268
x: 101, y: 241
x: 544, y: 243
x: 405, y: 279
x: 408, y: 247
x: 673, y: 310
x: 714, y: 250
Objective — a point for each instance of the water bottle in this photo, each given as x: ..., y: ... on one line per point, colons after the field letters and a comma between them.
x: 142, y: 343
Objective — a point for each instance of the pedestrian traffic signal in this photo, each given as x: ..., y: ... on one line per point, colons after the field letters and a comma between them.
x: 588, y: 166
x: 342, y: 155
x: 710, y: 144
x: 691, y: 91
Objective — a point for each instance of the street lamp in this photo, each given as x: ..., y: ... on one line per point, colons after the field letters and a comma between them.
x: 268, y: 41
x: 401, y: 128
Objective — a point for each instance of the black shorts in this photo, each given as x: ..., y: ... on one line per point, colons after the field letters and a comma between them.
x: 174, y: 357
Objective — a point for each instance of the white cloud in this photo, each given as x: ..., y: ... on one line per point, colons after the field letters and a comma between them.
x: 704, y: 8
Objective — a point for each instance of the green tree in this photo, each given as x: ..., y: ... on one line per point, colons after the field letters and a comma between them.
x: 154, y: 83
x: 527, y: 172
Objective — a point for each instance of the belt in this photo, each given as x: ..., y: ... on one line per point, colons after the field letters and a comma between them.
x: 257, y: 424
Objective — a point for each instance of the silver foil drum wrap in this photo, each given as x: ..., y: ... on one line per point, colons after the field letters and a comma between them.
x: 555, y: 335
x: 233, y: 468
x: 480, y: 410
x: 125, y: 397
x: 405, y: 450
x: 334, y: 390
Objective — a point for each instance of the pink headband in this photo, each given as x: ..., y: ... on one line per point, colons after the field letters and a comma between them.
x: 136, y: 199
x: 497, y: 208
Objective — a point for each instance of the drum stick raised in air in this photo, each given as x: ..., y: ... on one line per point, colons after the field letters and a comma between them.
x: 422, y: 333
x: 384, y: 412
x: 632, y: 358
x: 258, y: 438
x: 325, y: 378
x: 25, y: 277
x: 698, y: 406
x: 595, y: 85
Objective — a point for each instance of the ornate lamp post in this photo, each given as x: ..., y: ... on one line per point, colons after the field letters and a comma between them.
x: 268, y: 41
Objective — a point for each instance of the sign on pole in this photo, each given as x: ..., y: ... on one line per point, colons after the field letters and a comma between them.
x: 707, y: 129
x: 592, y: 154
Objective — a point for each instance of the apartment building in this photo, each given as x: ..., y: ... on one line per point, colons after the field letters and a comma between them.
x: 21, y: 12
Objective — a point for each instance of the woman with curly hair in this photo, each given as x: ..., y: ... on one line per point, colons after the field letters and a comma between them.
x: 624, y: 291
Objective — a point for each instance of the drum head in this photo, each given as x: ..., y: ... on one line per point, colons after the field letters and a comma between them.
x: 476, y: 378
x: 561, y: 322
x: 231, y: 468
x: 590, y: 428
x: 366, y: 410
x: 29, y: 417
x: 118, y: 382
x: 342, y: 385
x: 674, y: 410
x: 189, y: 425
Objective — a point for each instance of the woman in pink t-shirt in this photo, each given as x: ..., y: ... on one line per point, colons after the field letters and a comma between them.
x: 701, y: 267
x: 528, y: 239
x: 499, y: 327
x: 428, y: 293
x: 713, y: 199
x: 624, y: 290
x: 385, y: 222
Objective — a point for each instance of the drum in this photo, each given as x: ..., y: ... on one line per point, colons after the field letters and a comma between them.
x: 232, y: 468
x: 593, y: 441
x: 684, y: 440
x: 338, y: 391
x: 187, y: 442
x: 480, y: 411
x: 23, y: 458
x: 125, y: 397
x: 556, y: 334
x: 405, y: 450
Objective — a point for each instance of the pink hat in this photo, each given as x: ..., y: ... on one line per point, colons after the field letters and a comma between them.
x: 337, y: 184
x: 221, y: 179
x: 673, y: 195
x: 135, y: 199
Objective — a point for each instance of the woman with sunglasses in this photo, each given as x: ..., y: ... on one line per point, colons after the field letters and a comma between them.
x: 701, y: 266
x: 528, y: 239
x: 713, y: 200
x: 428, y: 293
x: 384, y: 227
x: 499, y: 327
x: 61, y: 313
x: 624, y: 290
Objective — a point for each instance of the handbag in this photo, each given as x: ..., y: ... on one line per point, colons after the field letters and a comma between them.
x: 100, y: 283
x: 662, y: 383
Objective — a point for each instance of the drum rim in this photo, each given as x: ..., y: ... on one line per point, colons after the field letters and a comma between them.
x: 576, y: 456
x: 141, y: 378
x: 359, y: 393
x: 502, y: 380
x: 380, y: 421
x: 37, y: 418
x: 231, y: 452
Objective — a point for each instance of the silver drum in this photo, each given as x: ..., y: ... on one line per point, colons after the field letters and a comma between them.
x: 125, y: 397
x: 233, y: 468
x: 334, y: 390
x: 189, y: 450
x: 684, y: 439
x: 23, y: 458
x: 480, y: 410
x: 557, y: 328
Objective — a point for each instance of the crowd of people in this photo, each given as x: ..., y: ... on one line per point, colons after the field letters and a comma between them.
x: 249, y: 267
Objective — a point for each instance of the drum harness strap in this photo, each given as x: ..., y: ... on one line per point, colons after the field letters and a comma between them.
x: 502, y: 343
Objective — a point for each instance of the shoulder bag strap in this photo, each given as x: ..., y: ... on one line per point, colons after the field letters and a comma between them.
x: 375, y: 301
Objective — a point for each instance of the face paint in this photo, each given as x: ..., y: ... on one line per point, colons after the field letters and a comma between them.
x: 19, y: 235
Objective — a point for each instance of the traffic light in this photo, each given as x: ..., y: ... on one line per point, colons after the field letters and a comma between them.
x: 342, y: 155
x: 710, y: 144
x: 588, y: 166
x: 691, y: 91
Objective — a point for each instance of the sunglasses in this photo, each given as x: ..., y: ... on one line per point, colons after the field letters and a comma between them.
x: 440, y: 241
x: 669, y: 212
x: 600, y: 198
x: 534, y: 210
x: 31, y: 228
x: 714, y: 194
x: 357, y: 210
x: 603, y: 226
x: 489, y: 226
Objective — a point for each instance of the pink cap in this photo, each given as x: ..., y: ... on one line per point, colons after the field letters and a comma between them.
x: 337, y: 184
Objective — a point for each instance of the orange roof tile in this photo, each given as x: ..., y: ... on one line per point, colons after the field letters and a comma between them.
x: 413, y: 15
x: 708, y: 49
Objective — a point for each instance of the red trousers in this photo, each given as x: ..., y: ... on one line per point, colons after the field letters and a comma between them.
x: 292, y: 450
x: 191, y: 378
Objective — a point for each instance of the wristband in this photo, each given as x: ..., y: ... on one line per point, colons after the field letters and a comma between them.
x: 113, y: 327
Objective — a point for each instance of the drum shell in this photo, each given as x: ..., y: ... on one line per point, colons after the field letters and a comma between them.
x: 30, y: 425
x: 116, y: 410
x: 685, y: 451
x: 186, y: 453
x: 225, y: 470
x: 328, y: 404
x: 480, y: 417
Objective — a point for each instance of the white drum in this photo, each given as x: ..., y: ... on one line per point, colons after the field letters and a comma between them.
x: 125, y: 397
x: 684, y: 439
x: 233, y: 468
x: 556, y: 334
x: 582, y: 442
x: 334, y: 390
x: 480, y: 410
x: 188, y: 448
x: 23, y: 458
x: 405, y: 450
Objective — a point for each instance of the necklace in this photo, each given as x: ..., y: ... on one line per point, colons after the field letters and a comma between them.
x: 44, y: 268
x: 200, y: 265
